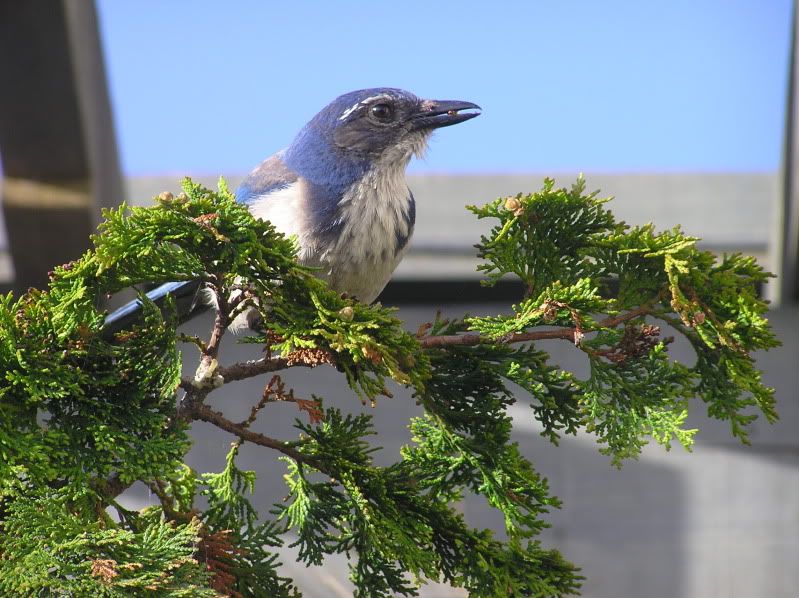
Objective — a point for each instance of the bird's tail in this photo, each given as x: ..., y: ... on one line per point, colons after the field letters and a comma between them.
x: 184, y: 293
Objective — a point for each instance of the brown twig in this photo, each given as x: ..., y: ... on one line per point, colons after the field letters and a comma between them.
x: 244, y: 370
x: 205, y: 413
x: 275, y: 390
x: 221, y: 321
x: 193, y: 339
x: 570, y: 334
x: 635, y: 342
x: 248, y: 369
x: 156, y: 486
x: 267, y: 397
x: 112, y: 486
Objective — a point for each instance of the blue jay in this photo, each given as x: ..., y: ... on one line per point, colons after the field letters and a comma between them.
x: 340, y: 188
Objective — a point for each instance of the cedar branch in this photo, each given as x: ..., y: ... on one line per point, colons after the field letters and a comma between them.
x: 571, y: 334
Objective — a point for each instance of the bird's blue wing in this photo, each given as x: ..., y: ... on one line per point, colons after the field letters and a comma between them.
x: 276, y: 193
x: 269, y: 176
x: 184, y: 293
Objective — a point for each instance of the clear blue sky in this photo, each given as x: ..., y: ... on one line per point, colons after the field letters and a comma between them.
x: 212, y: 87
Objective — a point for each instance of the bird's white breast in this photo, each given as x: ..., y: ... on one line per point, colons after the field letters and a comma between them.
x: 286, y: 209
x: 372, y: 215
x: 375, y: 213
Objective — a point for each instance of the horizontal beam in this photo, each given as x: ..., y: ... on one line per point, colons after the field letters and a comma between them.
x: 57, y: 143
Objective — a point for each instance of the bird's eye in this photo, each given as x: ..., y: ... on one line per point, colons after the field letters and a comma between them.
x: 383, y: 112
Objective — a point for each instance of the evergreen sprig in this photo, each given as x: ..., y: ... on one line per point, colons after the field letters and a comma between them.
x: 85, y: 413
x: 53, y: 545
x: 577, y: 262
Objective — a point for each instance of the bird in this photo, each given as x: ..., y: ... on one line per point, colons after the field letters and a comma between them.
x: 340, y: 188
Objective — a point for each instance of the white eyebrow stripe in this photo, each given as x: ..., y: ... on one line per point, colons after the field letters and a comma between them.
x: 357, y: 105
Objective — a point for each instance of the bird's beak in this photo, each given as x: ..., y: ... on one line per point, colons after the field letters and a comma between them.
x: 434, y: 114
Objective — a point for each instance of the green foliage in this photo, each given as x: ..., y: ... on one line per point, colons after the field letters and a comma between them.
x: 399, y: 519
x: 54, y: 547
x: 363, y: 337
x: 248, y: 561
x: 84, y: 414
x: 577, y: 263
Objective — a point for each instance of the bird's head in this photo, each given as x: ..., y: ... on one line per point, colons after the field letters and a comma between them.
x: 387, y: 125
